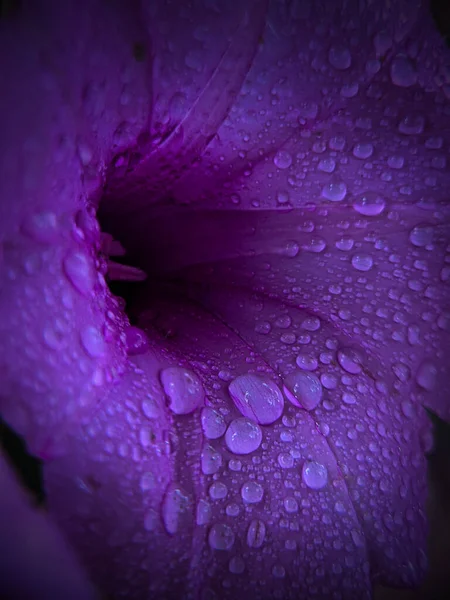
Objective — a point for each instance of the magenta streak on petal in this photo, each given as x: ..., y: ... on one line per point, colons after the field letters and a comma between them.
x: 269, y: 123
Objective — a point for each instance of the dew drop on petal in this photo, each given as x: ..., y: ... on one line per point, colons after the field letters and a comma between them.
x: 282, y: 159
x: 221, y: 537
x: 362, y: 262
x: 93, y: 342
x: 243, y: 436
x: 350, y: 360
x: 303, y: 389
x: 256, y: 534
x: 426, y: 375
x: 136, y: 341
x: 213, y: 424
x: 334, y: 191
x: 183, y: 388
x: 252, y: 492
x: 369, y: 204
x: 315, y: 475
x: 306, y: 362
x: 257, y: 398
x: 79, y: 270
x: 175, y: 507
x: 41, y: 226
x: 421, y: 235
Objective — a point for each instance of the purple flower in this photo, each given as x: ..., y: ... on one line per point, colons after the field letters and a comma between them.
x: 247, y: 420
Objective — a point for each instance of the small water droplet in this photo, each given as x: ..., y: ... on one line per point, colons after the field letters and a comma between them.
x: 340, y: 57
x: 335, y: 191
x: 412, y: 125
x: 306, y: 362
x: 218, y: 491
x: 211, y: 460
x: 136, y: 341
x: 421, y: 235
x: 236, y: 565
x: 204, y: 512
x: 426, y: 375
x: 403, y: 72
x: 315, y: 475
x: 175, y: 508
x: 183, y: 388
x: 350, y: 360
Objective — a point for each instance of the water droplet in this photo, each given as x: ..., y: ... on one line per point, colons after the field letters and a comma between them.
x: 41, y: 226
x: 151, y: 520
x: 286, y: 461
x: 252, y: 492
x: 315, y: 475
x: 236, y: 565
x: 327, y: 165
x: 218, y: 491
x: 79, y: 270
x: 221, y: 537
x: 335, y: 191
x: 93, y: 342
x: 421, y: 235
x: 175, y: 507
x: 344, y: 243
x: 211, y: 460
x: 256, y: 534
x: 306, y: 362
x: 213, y: 424
x: 203, y: 516
x: 243, y: 436
x: 257, y: 398
x: 314, y: 245
x: 403, y: 72
x: 362, y: 262
x: 308, y: 110
x: 350, y: 360
x: 150, y: 409
x: 412, y: 125
x: 282, y: 159
x: 369, y: 204
x: 136, y: 341
x: 363, y: 151
x: 183, y: 388
x: 147, y: 481
x: 395, y: 161
x: 426, y: 375
x: 303, y: 390
x: 340, y: 57
x: 290, y: 504
x: 337, y: 142
x: 54, y: 335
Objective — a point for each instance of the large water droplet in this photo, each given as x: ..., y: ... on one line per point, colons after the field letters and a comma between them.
x: 369, y: 204
x: 221, y: 537
x: 213, y: 424
x: 304, y: 390
x: 243, y: 436
x: 252, y: 492
x: 256, y: 534
x: 306, y: 362
x: 79, y: 270
x: 257, y: 398
x: 183, y: 388
x: 314, y: 475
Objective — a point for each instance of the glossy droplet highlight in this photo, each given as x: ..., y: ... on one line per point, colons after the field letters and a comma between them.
x: 221, y: 537
x: 136, y: 341
x: 314, y: 475
x: 369, y: 204
x: 282, y: 159
x: 93, y: 342
x: 183, y: 388
x: 252, y: 492
x: 362, y: 262
x: 334, y: 191
x: 257, y: 398
x: 243, y: 436
x: 175, y: 507
x: 303, y: 389
x: 256, y: 534
x: 213, y: 424
x: 79, y: 270
x: 350, y: 360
